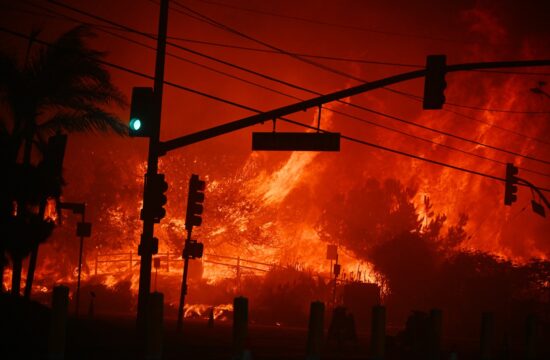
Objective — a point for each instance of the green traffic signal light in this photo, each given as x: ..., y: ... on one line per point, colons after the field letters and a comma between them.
x: 142, y: 112
x: 135, y: 124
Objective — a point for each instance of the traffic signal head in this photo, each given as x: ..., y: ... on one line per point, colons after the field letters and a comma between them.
x: 155, y: 197
x: 148, y: 246
x: 193, y: 249
x: 435, y: 84
x: 510, y: 187
x: 195, y: 198
x: 142, y: 115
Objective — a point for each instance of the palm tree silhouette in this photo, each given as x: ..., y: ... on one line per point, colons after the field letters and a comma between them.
x: 60, y: 88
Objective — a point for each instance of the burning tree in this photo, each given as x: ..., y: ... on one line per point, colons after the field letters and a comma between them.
x: 426, y: 261
x: 59, y: 88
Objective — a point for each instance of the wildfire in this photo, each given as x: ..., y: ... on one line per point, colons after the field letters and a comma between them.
x: 257, y: 220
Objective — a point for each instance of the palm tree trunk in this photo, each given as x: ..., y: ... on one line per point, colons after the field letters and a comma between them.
x: 2, y: 267
x: 34, y: 256
x: 30, y: 272
x: 17, y: 266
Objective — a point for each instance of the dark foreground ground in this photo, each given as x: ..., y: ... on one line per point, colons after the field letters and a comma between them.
x: 25, y: 337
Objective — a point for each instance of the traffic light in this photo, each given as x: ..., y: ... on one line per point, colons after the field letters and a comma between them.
x: 155, y: 197
x: 511, y: 188
x: 142, y: 113
x: 195, y: 198
x: 193, y: 249
x: 150, y: 246
x: 435, y: 84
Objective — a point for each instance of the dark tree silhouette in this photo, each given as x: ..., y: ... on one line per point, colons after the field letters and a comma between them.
x: 59, y: 88
x: 423, y: 258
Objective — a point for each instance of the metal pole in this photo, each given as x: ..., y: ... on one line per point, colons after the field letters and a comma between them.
x: 152, y: 167
x: 334, y: 286
x: 183, y: 283
x: 77, y: 296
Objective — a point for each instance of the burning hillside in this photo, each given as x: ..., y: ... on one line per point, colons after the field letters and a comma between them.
x: 271, y: 216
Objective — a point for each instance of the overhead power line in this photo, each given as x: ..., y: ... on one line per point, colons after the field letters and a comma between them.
x: 298, y: 87
x: 254, y: 49
x: 362, y: 120
x: 492, y: 125
x: 103, y: 27
x: 212, y: 43
x: 222, y: 26
x: 334, y: 25
x: 352, y: 139
x: 322, y: 66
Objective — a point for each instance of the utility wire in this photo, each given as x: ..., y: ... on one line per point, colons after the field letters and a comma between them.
x: 322, y: 66
x: 301, y: 99
x: 104, y: 27
x: 175, y: 56
x: 222, y: 45
x: 222, y: 26
x: 349, y: 138
x: 498, y: 127
x: 419, y: 98
x: 507, y: 111
x: 323, y: 23
x: 254, y: 49
x: 293, y: 85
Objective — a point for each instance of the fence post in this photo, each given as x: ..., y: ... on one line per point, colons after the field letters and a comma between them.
x: 58, y: 322
x: 315, y: 333
x: 531, y: 337
x: 434, y: 334
x: 487, y: 336
x: 240, y: 326
x: 154, y: 326
x: 378, y: 332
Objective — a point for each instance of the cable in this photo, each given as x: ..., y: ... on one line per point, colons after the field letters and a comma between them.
x: 417, y: 157
x: 327, y: 68
x: 100, y: 28
x: 209, y: 20
x: 349, y: 138
x: 216, y: 44
x: 300, y: 99
x: 245, y: 48
x: 293, y: 85
x: 317, y: 22
x: 323, y: 57
x: 499, y: 127
x: 508, y: 111
x: 510, y: 72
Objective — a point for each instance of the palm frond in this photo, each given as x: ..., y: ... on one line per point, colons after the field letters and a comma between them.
x: 12, y: 85
x: 69, y: 66
x: 92, y: 119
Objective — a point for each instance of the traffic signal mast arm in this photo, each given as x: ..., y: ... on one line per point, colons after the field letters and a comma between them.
x: 226, y: 128
x: 536, y: 189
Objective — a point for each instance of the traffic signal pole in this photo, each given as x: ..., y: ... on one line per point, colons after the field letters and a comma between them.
x: 183, y: 283
x: 146, y: 242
